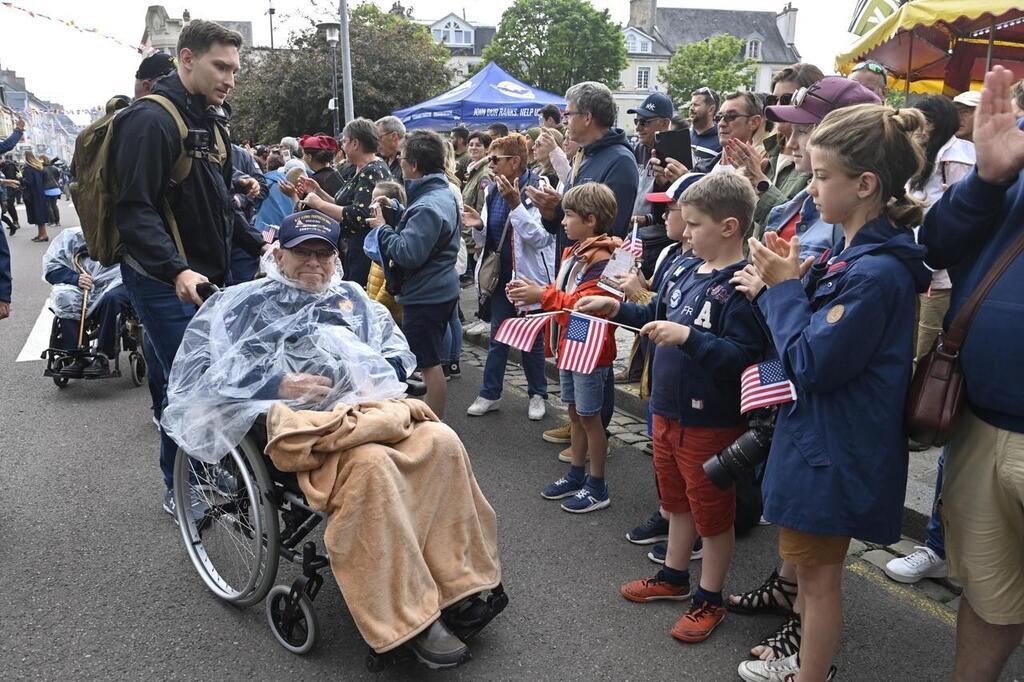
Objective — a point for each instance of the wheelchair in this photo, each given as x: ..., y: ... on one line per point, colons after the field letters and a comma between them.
x: 130, y: 338
x: 256, y: 516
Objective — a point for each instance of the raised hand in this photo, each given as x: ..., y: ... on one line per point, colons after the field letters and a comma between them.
x: 471, y: 217
x: 509, y: 191
x: 998, y: 143
x: 545, y: 199
x: 774, y: 268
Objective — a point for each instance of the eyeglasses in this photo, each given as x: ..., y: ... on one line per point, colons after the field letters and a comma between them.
x: 730, y: 117
x: 781, y: 100
x: 493, y: 158
x: 321, y: 255
x: 573, y: 113
x: 873, y: 67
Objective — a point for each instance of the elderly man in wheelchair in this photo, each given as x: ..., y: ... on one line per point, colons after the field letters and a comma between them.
x: 308, y: 370
x: 92, y: 313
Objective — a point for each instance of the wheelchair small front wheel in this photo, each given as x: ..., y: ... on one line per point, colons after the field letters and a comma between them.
x: 60, y: 381
x: 138, y: 366
x: 296, y: 631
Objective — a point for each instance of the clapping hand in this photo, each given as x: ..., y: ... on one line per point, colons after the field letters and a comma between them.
x: 998, y: 143
x: 509, y: 191
x: 545, y: 199
x: 307, y: 185
x: 747, y: 282
x: 544, y: 145
x: 779, y: 260
x: 747, y: 160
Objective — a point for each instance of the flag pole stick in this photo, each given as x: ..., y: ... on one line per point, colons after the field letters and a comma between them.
x: 601, y: 319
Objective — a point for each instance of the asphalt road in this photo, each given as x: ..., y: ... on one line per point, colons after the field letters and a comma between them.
x: 94, y: 583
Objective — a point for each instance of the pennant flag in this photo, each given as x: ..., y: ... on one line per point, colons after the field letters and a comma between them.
x: 764, y: 385
x: 634, y: 244
x: 521, y: 332
x: 584, y: 339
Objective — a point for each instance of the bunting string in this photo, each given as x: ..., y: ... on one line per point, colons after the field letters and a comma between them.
x: 141, y: 49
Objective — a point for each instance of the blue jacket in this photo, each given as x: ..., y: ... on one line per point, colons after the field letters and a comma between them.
x: 276, y: 206
x: 425, y: 243
x: 965, y: 231
x: 725, y: 338
x: 838, y: 463
x: 816, y: 236
x: 610, y: 161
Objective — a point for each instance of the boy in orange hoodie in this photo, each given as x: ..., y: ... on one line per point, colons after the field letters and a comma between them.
x: 589, y: 211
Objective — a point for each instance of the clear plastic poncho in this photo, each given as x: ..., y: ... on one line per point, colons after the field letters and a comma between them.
x: 66, y: 299
x: 247, y: 338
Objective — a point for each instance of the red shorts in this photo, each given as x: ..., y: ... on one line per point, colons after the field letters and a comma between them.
x: 679, y: 456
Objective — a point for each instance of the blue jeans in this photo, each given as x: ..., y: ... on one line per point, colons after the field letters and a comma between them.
x: 933, y: 536
x: 497, y: 354
x: 451, y: 346
x: 164, y: 318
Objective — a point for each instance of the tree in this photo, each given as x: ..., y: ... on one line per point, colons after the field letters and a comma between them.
x: 717, y: 63
x: 552, y: 44
x: 395, y: 63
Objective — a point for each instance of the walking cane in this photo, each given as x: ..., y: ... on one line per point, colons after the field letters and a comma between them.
x: 85, y: 301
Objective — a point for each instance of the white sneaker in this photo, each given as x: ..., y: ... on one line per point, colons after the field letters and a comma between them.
x: 924, y: 563
x: 769, y: 671
x: 482, y: 406
x: 537, y: 408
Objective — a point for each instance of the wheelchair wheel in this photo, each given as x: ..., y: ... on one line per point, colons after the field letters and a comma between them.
x: 228, y: 522
x: 138, y: 366
x: 298, y: 633
x: 60, y: 381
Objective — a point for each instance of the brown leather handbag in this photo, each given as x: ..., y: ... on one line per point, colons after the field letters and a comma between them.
x: 937, y: 390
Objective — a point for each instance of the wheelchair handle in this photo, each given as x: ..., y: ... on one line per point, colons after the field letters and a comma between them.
x: 206, y: 290
x: 415, y: 389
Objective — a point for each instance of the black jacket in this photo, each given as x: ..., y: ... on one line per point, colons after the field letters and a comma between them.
x: 146, y: 147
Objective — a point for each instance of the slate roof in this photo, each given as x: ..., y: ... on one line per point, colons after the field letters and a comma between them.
x: 677, y: 26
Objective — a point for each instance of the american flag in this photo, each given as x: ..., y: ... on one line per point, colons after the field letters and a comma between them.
x: 763, y: 385
x: 634, y: 244
x: 270, y: 233
x: 521, y: 332
x: 584, y: 340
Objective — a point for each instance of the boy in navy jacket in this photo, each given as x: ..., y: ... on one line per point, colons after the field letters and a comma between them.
x: 706, y: 335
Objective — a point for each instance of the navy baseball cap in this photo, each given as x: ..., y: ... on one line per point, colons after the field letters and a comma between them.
x: 675, y: 190
x: 306, y: 225
x: 156, y: 65
x: 657, y: 105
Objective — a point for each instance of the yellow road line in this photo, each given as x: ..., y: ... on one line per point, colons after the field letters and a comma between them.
x: 935, y: 609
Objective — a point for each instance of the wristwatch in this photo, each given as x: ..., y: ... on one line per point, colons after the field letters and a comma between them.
x: 763, y: 186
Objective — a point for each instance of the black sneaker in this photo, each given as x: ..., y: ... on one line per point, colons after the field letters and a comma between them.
x: 650, y: 531
x: 658, y: 552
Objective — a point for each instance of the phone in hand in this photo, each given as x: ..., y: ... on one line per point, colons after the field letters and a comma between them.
x: 674, y: 144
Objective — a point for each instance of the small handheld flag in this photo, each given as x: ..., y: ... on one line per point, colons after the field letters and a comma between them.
x: 521, y: 332
x: 763, y: 385
x: 584, y: 339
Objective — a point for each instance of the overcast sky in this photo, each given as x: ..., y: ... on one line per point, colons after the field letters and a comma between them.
x: 82, y: 70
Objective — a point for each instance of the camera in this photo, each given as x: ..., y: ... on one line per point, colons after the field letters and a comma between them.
x: 197, y: 140
x: 746, y: 452
x: 391, y: 212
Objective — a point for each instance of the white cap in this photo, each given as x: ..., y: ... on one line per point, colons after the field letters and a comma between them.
x: 971, y: 98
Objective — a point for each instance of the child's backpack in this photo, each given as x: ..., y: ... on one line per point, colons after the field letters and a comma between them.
x: 94, y: 189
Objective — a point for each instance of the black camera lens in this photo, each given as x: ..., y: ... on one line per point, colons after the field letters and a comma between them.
x: 742, y: 456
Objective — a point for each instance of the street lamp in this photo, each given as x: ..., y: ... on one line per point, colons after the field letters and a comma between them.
x: 270, y: 13
x: 331, y: 31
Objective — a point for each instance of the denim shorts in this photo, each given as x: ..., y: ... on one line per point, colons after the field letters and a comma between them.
x: 585, y: 391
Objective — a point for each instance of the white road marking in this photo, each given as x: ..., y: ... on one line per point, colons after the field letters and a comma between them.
x: 39, y: 338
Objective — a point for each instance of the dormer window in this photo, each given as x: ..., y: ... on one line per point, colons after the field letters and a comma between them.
x: 645, y: 46
x: 454, y: 33
x: 754, y: 49
x: 630, y: 43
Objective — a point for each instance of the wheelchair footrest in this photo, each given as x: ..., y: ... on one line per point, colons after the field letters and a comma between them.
x: 471, y: 615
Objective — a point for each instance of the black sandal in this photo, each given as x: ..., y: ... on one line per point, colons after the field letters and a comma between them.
x: 762, y: 599
x: 786, y: 641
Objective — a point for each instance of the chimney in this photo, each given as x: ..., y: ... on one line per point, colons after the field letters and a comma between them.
x: 786, y: 21
x: 641, y: 14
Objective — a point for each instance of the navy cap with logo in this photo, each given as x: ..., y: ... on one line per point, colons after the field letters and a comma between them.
x: 657, y: 105
x: 155, y: 65
x: 306, y: 225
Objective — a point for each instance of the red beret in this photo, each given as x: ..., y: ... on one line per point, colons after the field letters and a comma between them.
x: 319, y: 142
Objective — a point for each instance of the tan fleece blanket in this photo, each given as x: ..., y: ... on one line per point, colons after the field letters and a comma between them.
x: 408, y: 532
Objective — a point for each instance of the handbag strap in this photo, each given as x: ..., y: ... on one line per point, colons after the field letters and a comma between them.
x: 953, y: 339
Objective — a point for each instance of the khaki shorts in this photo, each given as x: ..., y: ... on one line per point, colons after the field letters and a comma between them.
x: 983, y: 516
x: 807, y: 549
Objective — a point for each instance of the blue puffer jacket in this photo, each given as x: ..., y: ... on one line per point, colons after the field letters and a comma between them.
x: 966, y: 231
x: 816, y: 236
x: 425, y: 243
x: 838, y: 463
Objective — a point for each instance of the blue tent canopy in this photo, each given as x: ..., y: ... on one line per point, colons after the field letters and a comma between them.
x: 490, y: 96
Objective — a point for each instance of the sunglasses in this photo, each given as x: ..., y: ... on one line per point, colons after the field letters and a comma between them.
x: 709, y: 92
x: 730, y: 117
x: 644, y: 122
x: 493, y: 158
x: 873, y: 67
x: 781, y: 100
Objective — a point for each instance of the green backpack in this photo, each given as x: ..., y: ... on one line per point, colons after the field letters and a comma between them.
x: 94, y: 188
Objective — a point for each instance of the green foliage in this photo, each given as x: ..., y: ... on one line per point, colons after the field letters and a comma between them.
x: 717, y: 63
x: 395, y: 63
x: 895, y: 98
x: 552, y: 44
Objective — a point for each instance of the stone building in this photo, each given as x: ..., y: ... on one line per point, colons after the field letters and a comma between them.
x: 161, y: 32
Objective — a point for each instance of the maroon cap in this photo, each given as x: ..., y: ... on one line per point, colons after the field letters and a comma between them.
x: 319, y: 142
x: 810, y: 105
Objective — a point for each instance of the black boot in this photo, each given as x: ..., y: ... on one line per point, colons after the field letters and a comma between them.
x: 436, y: 647
x: 98, y: 366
